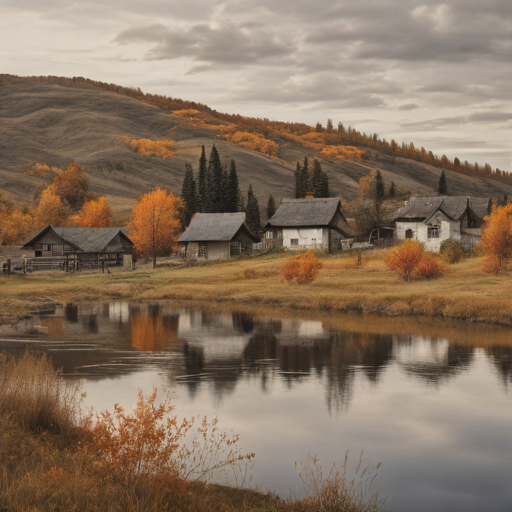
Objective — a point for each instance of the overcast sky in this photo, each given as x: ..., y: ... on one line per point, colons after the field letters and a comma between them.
x: 437, y: 74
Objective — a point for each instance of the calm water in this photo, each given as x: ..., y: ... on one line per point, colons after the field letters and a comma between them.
x: 432, y: 402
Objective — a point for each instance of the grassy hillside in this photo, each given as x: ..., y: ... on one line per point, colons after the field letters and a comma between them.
x: 54, y: 124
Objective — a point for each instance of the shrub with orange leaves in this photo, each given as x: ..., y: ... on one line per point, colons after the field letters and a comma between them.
x: 301, y: 269
x: 95, y: 214
x: 155, y: 223
x: 405, y: 258
x: 497, y: 239
x: 163, y: 148
x: 252, y: 141
x: 342, y: 152
x: 71, y: 186
x: 430, y: 267
x: 16, y: 225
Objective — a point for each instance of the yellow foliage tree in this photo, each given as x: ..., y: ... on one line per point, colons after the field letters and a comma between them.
x: 497, y: 238
x: 95, y: 214
x: 51, y: 208
x: 163, y: 148
x: 155, y: 223
x: 405, y: 258
x: 72, y: 186
x: 252, y: 141
x: 15, y: 227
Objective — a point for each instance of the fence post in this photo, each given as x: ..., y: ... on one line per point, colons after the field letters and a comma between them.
x: 359, y: 257
x: 9, y: 267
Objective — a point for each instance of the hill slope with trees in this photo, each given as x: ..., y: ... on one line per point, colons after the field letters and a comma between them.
x: 128, y: 142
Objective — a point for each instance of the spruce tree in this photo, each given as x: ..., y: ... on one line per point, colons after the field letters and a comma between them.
x: 215, y: 175
x: 392, y: 190
x: 202, y: 182
x: 252, y: 212
x: 443, y: 188
x: 323, y: 185
x: 232, y: 190
x: 271, y: 206
x: 298, y: 182
x: 316, y: 178
x: 378, y: 194
x: 188, y: 194
x: 305, y: 177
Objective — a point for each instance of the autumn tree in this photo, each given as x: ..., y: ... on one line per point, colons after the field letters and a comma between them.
x: 443, y: 188
x: 189, y: 194
x: 252, y: 212
x: 72, y: 186
x: 17, y: 223
x: 51, y: 208
x: 155, y: 223
x: 95, y: 214
x: 405, y: 258
x: 497, y: 238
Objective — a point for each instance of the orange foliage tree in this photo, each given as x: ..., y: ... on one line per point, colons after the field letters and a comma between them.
x: 497, y: 239
x: 301, y: 269
x: 72, y: 186
x: 252, y: 141
x: 155, y: 223
x: 95, y: 214
x: 430, y: 267
x: 405, y: 258
x: 51, y: 208
x: 147, y: 147
x: 16, y: 224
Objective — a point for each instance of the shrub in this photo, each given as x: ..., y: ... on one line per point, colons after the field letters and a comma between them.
x: 452, y: 250
x: 301, y: 269
x: 491, y: 264
x: 430, y: 267
x: 404, y: 258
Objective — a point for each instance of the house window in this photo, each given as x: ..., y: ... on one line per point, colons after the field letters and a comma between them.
x: 433, y: 232
x: 47, y: 247
x: 279, y: 234
x: 235, y: 249
x: 202, y: 251
x: 409, y: 233
x: 269, y: 234
x: 294, y: 241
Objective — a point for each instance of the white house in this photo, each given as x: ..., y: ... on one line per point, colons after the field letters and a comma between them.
x: 308, y: 224
x: 431, y: 220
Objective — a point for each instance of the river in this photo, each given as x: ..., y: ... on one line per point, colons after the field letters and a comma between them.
x: 431, y: 401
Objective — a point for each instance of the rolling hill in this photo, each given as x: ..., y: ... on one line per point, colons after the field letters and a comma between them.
x: 53, y: 124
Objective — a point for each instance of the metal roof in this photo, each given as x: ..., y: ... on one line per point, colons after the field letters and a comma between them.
x: 453, y: 206
x: 305, y: 212
x: 83, y: 239
x: 216, y: 227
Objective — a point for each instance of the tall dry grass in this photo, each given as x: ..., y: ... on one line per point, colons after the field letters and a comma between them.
x: 34, y: 396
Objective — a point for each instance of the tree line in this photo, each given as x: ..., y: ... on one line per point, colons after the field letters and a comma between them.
x: 311, y: 183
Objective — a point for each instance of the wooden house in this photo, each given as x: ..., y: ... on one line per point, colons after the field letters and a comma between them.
x: 85, y: 247
x: 431, y: 220
x: 215, y: 236
x: 308, y: 224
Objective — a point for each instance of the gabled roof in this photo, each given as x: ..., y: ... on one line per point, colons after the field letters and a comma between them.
x: 305, y: 212
x: 454, y: 207
x: 216, y: 227
x: 82, y: 239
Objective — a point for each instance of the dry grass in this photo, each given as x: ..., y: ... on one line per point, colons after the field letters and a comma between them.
x: 464, y: 293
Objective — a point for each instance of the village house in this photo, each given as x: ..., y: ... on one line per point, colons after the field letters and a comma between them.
x: 216, y: 236
x: 431, y: 220
x: 308, y: 224
x: 82, y: 248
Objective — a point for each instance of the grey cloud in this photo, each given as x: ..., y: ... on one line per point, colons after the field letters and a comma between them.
x: 408, y: 106
x: 475, y: 118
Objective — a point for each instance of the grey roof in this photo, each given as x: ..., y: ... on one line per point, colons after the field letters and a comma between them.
x: 83, y: 239
x: 215, y: 227
x: 305, y: 212
x: 453, y: 206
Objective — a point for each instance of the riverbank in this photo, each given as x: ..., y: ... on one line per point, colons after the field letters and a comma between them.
x: 464, y: 293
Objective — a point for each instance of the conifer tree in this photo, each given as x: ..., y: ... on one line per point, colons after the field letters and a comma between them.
x: 378, y: 194
x: 252, y: 212
x: 443, y: 189
x: 271, y: 206
x: 188, y: 194
x: 298, y: 181
x: 201, y: 182
x: 323, y: 186
x: 392, y: 190
x: 316, y: 178
x: 214, y: 178
x: 305, y: 177
x: 232, y: 190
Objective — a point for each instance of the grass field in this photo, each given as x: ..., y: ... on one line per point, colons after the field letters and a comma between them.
x: 464, y: 293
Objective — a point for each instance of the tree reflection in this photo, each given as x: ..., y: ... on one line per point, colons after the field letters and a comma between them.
x: 502, y: 359
x: 153, y: 330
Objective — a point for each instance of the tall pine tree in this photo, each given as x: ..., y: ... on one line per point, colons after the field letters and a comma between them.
x: 378, y: 194
x: 188, y: 194
x: 214, y: 181
x: 202, y: 182
x: 392, y: 190
x: 271, y: 206
x: 252, y: 212
x: 232, y: 190
x: 443, y: 188
x: 298, y: 181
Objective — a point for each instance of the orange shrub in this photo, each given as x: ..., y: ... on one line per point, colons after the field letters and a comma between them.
x: 430, y: 267
x: 251, y: 141
x: 345, y: 152
x: 404, y: 258
x: 301, y: 269
x: 162, y: 148
x: 491, y: 264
